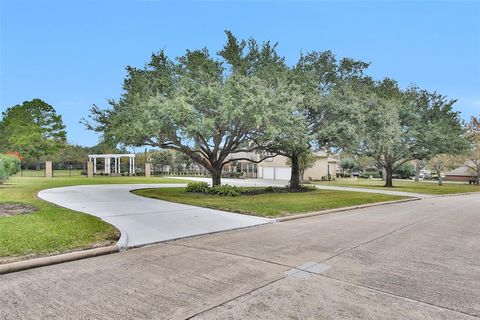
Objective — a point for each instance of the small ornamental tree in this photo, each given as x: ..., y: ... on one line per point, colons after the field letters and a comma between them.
x: 442, y: 162
x: 347, y: 164
x: 9, y: 165
x: 473, y: 157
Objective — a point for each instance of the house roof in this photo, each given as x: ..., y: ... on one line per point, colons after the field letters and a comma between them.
x: 461, y: 171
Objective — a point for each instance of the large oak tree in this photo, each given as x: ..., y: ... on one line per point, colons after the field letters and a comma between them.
x: 400, y: 126
x: 197, y: 104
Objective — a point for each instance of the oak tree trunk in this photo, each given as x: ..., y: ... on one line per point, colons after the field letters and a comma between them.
x: 216, y: 176
x: 417, y: 170
x: 295, y: 176
x: 388, y: 176
x: 38, y: 165
x: 439, y: 173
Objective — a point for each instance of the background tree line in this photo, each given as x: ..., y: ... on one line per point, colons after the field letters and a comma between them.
x: 211, y: 109
x: 247, y: 99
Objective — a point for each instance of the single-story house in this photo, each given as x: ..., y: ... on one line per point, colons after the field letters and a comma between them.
x: 278, y: 168
x: 462, y: 173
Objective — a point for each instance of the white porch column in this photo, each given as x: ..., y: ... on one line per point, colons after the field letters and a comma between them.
x: 116, y: 166
x: 129, y: 165
x: 107, y: 166
x: 133, y: 165
x: 94, y: 165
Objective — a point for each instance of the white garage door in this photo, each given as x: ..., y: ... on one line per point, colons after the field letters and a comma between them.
x: 276, y: 173
x: 268, y: 173
x: 283, y: 173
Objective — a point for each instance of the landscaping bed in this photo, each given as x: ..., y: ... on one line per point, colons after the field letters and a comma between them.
x: 8, y: 209
x: 268, y: 202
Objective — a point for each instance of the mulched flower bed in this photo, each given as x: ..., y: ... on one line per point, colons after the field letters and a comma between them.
x: 13, y: 209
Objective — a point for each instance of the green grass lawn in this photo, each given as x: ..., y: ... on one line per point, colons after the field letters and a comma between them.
x: 269, y: 205
x: 53, y: 229
x: 407, y: 186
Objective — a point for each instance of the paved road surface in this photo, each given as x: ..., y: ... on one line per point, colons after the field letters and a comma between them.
x: 415, y: 260
x: 142, y: 220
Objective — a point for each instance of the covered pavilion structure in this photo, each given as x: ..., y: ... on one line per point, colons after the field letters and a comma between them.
x: 116, y: 169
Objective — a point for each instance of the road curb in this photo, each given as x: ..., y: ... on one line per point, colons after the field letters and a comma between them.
x: 362, y: 206
x: 456, y: 194
x: 61, y: 258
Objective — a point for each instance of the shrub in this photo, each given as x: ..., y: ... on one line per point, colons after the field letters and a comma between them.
x: 226, y: 190
x: 371, y: 174
x: 9, y: 165
x: 308, y: 187
x: 405, y: 171
x: 197, y: 187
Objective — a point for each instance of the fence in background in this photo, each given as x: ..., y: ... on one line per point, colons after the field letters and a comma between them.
x: 59, y: 170
x: 79, y: 169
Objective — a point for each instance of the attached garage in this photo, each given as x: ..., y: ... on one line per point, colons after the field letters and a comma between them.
x: 268, y: 173
x: 283, y: 173
x: 276, y: 173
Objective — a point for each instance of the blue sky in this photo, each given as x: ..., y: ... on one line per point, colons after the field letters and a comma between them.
x: 73, y: 54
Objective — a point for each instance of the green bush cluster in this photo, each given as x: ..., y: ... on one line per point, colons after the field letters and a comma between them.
x: 9, y: 165
x: 203, y: 187
x: 223, y: 190
x: 233, y: 191
x: 197, y: 187
x: 226, y: 190
x: 368, y: 174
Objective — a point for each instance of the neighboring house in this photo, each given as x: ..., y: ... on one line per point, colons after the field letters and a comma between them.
x: 277, y: 168
x: 462, y: 173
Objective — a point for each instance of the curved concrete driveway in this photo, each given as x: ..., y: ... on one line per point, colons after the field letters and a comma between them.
x: 141, y: 220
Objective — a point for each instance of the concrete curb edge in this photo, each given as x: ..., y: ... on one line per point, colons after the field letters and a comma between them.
x: 61, y: 258
x: 456, y: 194
x: 362, y: 206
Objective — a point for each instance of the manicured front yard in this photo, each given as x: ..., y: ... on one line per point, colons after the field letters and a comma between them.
x: 53, y: 229
x: 404, y: 185
x: 269, y: 205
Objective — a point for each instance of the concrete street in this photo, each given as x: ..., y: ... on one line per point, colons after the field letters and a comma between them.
x: 414, y: 260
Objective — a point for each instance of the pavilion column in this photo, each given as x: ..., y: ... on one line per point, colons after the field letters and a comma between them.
x: 116, y: 165
x: 133, y: 165
x: 94, y: 165
x: 106, y: 165
x: 129, y: 165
